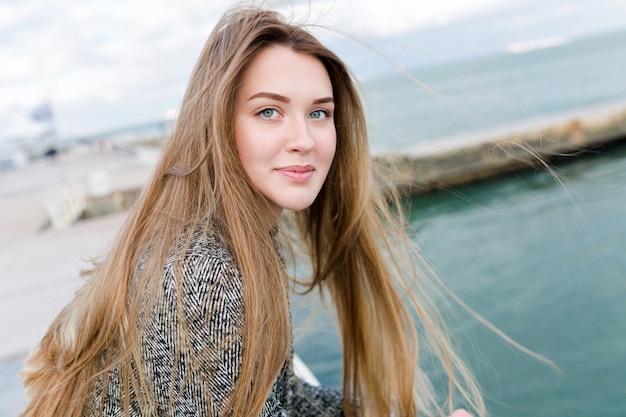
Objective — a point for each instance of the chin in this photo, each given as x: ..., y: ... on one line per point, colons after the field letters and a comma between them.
x: 299, y: 206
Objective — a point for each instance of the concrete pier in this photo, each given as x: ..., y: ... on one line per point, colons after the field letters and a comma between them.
x: 470, y: 158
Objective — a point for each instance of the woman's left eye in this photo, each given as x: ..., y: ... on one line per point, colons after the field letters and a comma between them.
x: 319, y: 114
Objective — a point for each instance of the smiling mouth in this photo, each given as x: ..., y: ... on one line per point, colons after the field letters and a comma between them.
x: 297, y: 173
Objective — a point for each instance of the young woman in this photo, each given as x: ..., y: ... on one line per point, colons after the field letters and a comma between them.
x: 188, y: 315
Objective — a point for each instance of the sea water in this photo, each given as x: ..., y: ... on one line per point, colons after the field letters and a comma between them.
x: 542, y: 260
x: 546, y: 264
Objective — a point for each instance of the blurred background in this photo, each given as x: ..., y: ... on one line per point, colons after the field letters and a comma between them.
x: 89, y: 91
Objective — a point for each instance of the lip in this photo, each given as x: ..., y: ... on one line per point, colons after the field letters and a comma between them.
x: 297, y: 173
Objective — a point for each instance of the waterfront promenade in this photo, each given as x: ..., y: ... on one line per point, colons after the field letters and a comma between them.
x: 40, y: 263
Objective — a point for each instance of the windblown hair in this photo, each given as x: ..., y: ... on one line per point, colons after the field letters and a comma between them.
x: 354, y: 235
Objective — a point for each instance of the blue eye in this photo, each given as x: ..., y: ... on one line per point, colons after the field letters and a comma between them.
x: 319, y: 114
x: 268, y: 113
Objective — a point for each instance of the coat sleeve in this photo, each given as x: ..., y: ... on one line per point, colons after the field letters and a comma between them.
x: 193, y: 342
x: 314, y: 401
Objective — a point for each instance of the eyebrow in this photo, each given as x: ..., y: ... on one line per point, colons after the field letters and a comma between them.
x: 271, y: 96
x: 278, y: 97
x: 324, y: 100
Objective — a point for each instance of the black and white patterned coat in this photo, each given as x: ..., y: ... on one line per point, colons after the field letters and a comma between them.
x: 211, y: 299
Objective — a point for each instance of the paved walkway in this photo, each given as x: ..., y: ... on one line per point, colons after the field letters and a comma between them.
x: 40, y: 264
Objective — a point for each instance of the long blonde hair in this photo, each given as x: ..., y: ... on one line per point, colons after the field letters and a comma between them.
x: 354, y: 233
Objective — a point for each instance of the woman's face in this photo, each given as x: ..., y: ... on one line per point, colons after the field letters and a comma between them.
x: 284, y: 127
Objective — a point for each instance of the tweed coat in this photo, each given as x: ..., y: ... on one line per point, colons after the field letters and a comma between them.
x: 209, y: 292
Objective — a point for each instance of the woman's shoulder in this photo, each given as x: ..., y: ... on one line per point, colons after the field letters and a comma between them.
x: 200, y: 260
x: 198, y: 247
x: 200, y: 273
x: 204, y: 244
x: 201, y: 251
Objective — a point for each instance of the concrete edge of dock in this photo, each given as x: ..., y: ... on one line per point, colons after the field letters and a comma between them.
x: 480, y: 156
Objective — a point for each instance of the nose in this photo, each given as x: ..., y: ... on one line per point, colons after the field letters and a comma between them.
x: 299, y: 138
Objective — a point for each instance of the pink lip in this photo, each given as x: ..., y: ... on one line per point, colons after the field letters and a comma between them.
x: 297, y: 173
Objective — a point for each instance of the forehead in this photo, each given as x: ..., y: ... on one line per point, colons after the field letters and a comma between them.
x: 280, y: 69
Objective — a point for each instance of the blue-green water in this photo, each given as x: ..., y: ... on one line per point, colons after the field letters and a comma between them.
x: 547, y: 266
x: 543, y: 262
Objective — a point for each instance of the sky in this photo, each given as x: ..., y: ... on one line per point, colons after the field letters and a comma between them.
x: 108, y: 64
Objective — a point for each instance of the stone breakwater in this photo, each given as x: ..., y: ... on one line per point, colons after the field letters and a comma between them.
x: 470, y: 158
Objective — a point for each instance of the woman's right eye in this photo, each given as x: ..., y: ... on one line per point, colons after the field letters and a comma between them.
x: 268, y: 113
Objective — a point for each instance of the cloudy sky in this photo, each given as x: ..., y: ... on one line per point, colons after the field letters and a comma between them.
x: 107, y: 64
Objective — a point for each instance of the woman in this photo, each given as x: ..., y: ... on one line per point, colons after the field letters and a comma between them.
x: 188, y: 312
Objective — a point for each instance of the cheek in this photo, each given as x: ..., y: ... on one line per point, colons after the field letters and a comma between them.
x: 243, y: 146
x: 327, y: 151
x: 246, y: 139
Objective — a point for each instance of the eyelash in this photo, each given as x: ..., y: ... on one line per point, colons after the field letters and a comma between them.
x: 260, y: 113
x: 325, y: 112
